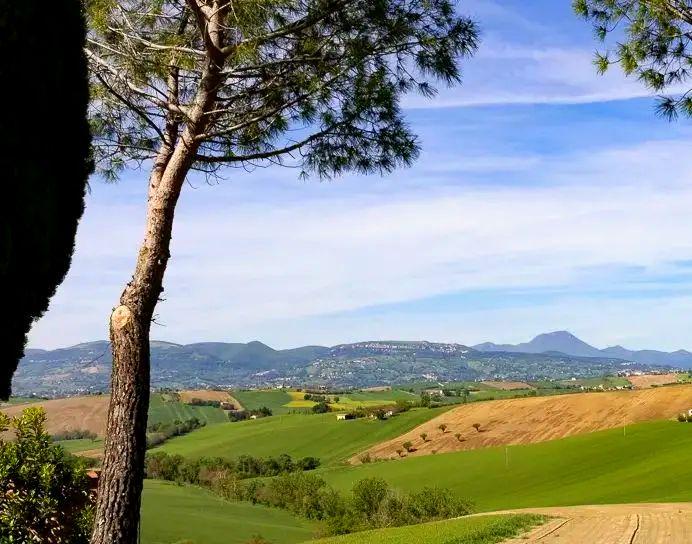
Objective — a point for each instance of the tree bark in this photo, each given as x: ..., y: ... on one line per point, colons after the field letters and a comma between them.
x: 120, y: 487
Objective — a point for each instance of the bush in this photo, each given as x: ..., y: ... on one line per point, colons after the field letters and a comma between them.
x: 408, y: 446
x: 682, y: 418
x: 157, y: 433
x: 320, y: 408
x: 45, y: 491
x: 202, y: 402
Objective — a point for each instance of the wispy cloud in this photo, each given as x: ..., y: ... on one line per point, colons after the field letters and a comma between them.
x: 253, y: 264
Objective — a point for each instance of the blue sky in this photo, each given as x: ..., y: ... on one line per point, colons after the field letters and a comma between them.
x: 547, y: 197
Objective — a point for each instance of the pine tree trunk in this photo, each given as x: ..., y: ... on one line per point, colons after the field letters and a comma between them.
x: 120, y: 487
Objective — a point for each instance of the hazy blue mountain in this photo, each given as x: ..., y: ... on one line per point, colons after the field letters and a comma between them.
x: 567, y: 343
x: 558, y: 341
x: 86, y: 367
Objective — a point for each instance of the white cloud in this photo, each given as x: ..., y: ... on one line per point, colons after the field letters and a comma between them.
x: 254, y: 267
x: 509, y: 73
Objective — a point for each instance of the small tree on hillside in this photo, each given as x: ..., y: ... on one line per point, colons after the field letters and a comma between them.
x: 182, y: 85
x: 477, y: 426
x: 408, y: 446
x: 442, y: 427
x: 424, y: 437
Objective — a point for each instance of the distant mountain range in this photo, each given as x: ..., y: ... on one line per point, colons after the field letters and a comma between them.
x: 567, y: 343
x: 559, y: 355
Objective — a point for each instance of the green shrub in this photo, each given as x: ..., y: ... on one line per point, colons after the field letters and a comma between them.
x: 45, y: 491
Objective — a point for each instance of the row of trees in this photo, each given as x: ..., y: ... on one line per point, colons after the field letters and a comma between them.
x: 372, y: 503
x: 176, y: 468
x: 158, y: 433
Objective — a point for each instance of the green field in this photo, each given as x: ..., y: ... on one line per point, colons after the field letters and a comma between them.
x: 177, y: 514
x: 649, y: 463
x: 81, y: 444
x: 298, y: 435
x: 470, y: 530
x: 167, y: 411
x: 275, y: 400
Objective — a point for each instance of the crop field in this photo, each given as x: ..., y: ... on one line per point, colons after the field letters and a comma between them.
x: 81, y: 444
x: 537, y: 419
x: 284, y: 402
x: 647, y: 462
x: 163, y: 411
x: 177, y: 514
x: 469, y: 530
x: 73, y: 413
x: 654, y: 380
x: 605, y: 381
x: 275, y: 400
x: 298, y: 435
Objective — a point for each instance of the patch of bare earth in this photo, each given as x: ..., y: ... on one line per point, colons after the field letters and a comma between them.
x: 613, y: 524
x: 508, y: 386
x: 70, y: 414
x: 536, y: 419
x: 651, y: 380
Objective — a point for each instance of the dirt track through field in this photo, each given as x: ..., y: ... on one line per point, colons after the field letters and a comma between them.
x: 612, y: 524
x: 537, y: 419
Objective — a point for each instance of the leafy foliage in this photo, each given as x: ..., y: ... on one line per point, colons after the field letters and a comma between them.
x: 315, y: 82
x: 44, y: 137
x: 44, y: 492
x: 655, y: 48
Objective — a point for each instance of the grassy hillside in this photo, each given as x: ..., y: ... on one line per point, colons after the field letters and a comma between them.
x: 298, y: 435
x: 163, y: 410
x: 172, y: 513
x: 649, y: 463
x: 474, y: 530
x: 274, y: 400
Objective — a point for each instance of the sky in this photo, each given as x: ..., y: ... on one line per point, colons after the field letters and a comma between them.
x: 546, y: 197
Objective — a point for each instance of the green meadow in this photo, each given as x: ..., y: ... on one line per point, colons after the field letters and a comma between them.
x: 173, y: 513
x: 298, y: 435
x: 275, y: 400
x: 647, y: 463
x: 470, y: 530
x: 164, y: 410
x: 81, y: 444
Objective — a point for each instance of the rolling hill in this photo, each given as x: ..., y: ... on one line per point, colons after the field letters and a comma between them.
x: 85, y: 368
x: 184, y: 514
x: 298, y: 435
x: 648, y: 463
x: 538, y: 419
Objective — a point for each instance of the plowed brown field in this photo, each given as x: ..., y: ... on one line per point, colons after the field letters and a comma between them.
x: 508, y: 386
x: 74, y: 413
x: 204, y: 394
x: 649, y: 380
x: 537, y: 419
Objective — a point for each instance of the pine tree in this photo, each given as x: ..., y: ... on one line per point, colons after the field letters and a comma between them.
x: 219, y: 86
x: 654, y: 44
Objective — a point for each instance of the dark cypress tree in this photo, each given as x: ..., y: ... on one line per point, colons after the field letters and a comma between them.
x: 44, y: 160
